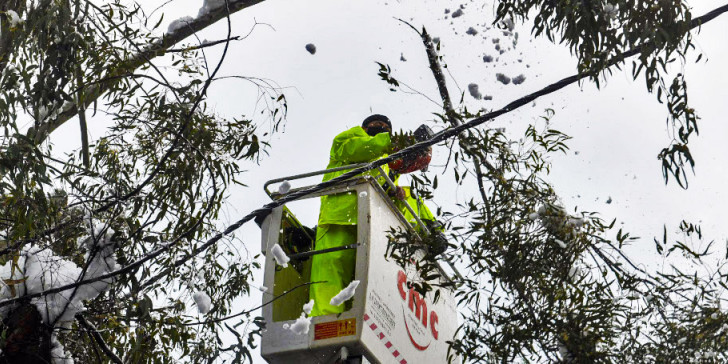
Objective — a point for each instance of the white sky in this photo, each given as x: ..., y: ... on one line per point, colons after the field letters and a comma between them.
x: 617, y: 131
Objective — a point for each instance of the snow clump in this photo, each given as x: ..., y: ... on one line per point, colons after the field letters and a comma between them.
x: 457, y: 13
x: 14, y: 18
x: 311, y: 48
x: 471, y: 31
x: 533, y: 216
x: 301, y: 325
x: 281, y: 258
x: 363, y: 194
x: 263, y: 289
x: 519, y: 79
x: 503, y: 78
x: 284, y: 187
x: 42, y: 270
x: 561, y: 244
x: 473, y: 89
x: 179, y: 23
x: 345, y: 294
x: 210, y: 5
x: 203, y: 302
x: 308, y: 307
x: 59, y: 355
x: 487, y: 58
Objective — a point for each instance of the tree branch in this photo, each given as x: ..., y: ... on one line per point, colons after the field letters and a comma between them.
x: 91, y: 329
x: 254, y: 308
x: 156, y: 49
x: 439, y: 137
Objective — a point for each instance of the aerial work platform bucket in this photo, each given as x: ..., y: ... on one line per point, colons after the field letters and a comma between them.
x: 387, y: 322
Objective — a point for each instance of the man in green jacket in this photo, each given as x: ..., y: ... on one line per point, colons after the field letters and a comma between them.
x: 338, y: 214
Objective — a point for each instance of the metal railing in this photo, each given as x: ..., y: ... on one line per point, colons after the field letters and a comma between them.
x: 389, y: 181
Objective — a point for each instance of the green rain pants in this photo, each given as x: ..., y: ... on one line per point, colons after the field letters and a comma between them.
x: 336, y: 268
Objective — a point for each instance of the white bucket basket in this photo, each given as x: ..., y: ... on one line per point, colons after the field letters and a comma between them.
x: 388, y: 322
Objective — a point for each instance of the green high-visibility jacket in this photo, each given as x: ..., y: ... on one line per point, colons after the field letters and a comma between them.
x: 417, y: 205
x: 351, y: 146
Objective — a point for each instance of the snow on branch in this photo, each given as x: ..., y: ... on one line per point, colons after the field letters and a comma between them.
x: 156, y: 49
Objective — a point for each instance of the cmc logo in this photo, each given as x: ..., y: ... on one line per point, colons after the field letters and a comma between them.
x: 418, y: 306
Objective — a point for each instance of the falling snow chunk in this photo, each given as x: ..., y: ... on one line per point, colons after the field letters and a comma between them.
x: 281, y: 258
x: 284, y: 187
x: 311, y: 48
x: 503, y: 78
x: 363, y: 194
x: 496, y: 40
x: 263, y: 288
x: 457, y: 13
x: 508, y: 23
x: 447, y: 11
x: 471, y: 31
x: 308, y: 307
x: 561, y: 244
x: 609, y: 200
x: 533, y: 216
x: 682, y: 340
x: 286, y: 326
x: 436, y: 39
x: 401, y: 57
x: 345, y: 294
x: 519, y: 79
x: 487, y: 58
x: 179, y: 23
x: 203, y: 301
x: 473, y: 90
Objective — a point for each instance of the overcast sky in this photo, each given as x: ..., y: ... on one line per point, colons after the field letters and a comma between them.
x: 617, y: 131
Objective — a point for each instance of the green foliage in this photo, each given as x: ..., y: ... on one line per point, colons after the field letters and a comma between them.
x: 543, y: 284
x: 600, y: 33
x: 158, y: 175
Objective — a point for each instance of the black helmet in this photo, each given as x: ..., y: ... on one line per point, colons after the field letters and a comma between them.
x: 376, y: 117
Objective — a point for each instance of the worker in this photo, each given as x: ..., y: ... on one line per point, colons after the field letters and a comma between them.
x: 338, y: 214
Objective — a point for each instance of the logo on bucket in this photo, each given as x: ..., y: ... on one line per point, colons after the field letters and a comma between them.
x: 421, y: 325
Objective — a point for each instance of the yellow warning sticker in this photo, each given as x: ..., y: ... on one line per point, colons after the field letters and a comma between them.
x: 332, y: 329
